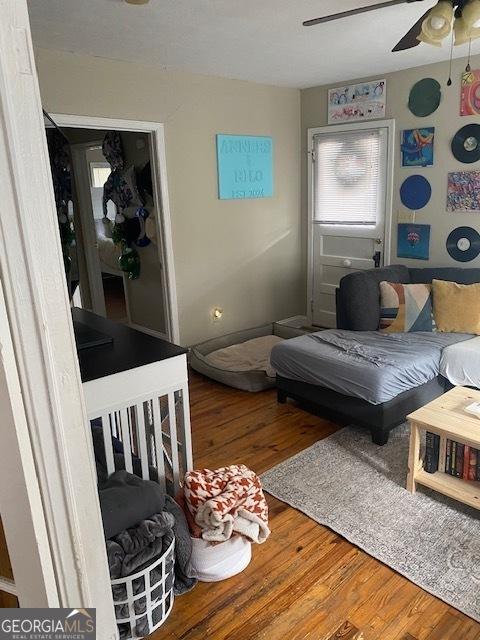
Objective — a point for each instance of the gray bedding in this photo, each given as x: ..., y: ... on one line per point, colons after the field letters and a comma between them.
x: 370, y: 365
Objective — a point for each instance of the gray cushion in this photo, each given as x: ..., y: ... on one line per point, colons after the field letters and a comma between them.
x: 358, y: 298
x: 452, y: 274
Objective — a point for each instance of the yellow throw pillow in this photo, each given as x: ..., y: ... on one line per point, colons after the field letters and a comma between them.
x: 456, y: 307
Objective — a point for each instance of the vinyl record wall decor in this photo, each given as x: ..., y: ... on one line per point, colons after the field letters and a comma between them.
x: 463, y: 244
x: 415, y: 192
x: 466, y: 144
x: 425, y: 97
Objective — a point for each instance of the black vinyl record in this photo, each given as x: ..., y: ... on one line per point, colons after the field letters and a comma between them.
x: 463, y: 244
x: 466, y: 143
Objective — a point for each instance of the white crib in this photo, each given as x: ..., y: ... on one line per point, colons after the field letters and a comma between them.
x: 146, y: 407
x: 137, y: 386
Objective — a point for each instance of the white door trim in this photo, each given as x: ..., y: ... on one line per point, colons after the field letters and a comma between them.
x: 20, y: 497
x: 352, y: 126
x: 161, y: 196
x: 43, y: 347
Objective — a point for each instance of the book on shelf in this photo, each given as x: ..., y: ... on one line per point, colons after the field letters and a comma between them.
x: 451, y: 457
x: 432, y: 449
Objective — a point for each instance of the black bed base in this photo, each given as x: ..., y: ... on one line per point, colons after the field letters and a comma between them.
x: 378, y: 418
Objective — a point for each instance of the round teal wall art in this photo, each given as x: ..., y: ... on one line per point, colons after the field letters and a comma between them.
x: 425, y: 97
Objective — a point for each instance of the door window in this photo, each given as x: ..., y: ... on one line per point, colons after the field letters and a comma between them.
x: 349, y: 177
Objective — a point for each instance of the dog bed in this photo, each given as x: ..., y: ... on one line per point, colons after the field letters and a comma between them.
x: 224, y: 360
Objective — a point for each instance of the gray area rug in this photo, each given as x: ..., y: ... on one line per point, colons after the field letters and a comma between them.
x: 356, y: 488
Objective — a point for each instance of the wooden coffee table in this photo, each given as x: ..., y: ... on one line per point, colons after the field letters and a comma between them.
x: 446, y: 417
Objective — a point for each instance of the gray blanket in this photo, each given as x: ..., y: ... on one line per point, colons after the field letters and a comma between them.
x: 137, y: 548
x: 370, y: 365
x: 135, y: 535
x: 132, y: 551
x: 126, y: 500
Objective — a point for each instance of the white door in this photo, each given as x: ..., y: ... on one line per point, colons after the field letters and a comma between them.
x: 350, y: 178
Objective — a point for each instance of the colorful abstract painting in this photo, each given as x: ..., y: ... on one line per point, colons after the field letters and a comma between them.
x: 470, y: 95
x: 463, y: 192
x: 413, y: 241
x: 417, y: 147
x: 354, y: 102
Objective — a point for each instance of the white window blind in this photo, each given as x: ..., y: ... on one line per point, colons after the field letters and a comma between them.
x: 349, y: 177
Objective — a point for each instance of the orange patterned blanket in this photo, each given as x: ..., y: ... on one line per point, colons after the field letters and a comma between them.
x: 226, y: 501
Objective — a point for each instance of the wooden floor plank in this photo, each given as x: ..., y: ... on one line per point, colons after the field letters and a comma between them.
x: 7, y: 601
x: 305, y: 582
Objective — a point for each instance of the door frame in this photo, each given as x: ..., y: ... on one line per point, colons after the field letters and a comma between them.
x: 42, y: 397
x: 351, y: 126
x: 161, y: 198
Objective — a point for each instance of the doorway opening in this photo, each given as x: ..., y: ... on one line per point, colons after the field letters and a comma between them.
x: 119, y: 262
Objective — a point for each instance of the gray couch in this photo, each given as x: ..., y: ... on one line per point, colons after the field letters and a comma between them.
x: 358, y: 309
x: 358, y: 299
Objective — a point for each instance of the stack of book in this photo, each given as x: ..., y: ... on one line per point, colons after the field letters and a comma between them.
x: 455, y: 458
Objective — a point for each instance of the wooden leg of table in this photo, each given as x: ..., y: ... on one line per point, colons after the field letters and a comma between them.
x: 413, y: 457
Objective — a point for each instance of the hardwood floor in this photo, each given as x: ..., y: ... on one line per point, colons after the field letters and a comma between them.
x: 305, y: 581
x: 7, y: 601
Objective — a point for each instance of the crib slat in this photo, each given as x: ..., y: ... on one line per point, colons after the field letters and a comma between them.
x: 142, y: 438
x: 172, y: 419
x: 187, y: 435
x: 127, y: 446
x: 157, y: 425
x: 107, y: 441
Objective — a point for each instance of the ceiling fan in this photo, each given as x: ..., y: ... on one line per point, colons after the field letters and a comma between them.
x: 433, y: 26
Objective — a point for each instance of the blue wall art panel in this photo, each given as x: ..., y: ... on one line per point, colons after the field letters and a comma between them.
x: 413, y: 241
x: 245, y: 167
x: 417, y: 147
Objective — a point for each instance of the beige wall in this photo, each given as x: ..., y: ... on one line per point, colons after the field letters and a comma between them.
x: 244, y: 256
x: 446, y: 121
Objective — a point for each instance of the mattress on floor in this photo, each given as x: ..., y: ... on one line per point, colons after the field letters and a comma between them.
x: 213, y: 358
x: 370, y: 365
x: 460, y: 363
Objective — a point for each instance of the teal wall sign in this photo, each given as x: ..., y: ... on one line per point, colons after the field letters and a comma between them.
x: 245, y: 167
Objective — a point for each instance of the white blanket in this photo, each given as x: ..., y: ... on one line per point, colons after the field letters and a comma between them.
x: 460, y: 363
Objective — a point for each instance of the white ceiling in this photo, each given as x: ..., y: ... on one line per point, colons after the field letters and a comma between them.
x: 258, y: 40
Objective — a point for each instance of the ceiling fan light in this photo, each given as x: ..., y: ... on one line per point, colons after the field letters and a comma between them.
x: 461, y: 31
x: 436, y: 42
x: 438, y: 24
x: 471, y: 18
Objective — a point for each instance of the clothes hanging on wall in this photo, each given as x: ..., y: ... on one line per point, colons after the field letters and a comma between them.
x: 121, y: 188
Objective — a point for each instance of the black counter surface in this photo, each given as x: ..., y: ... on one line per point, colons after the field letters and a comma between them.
x: 129, y: 348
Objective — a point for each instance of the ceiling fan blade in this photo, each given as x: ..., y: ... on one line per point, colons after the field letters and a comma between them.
x: 409, y: 40
x: 354, y: 12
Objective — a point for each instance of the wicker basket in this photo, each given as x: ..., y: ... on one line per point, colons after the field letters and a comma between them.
x: 144, y: 600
